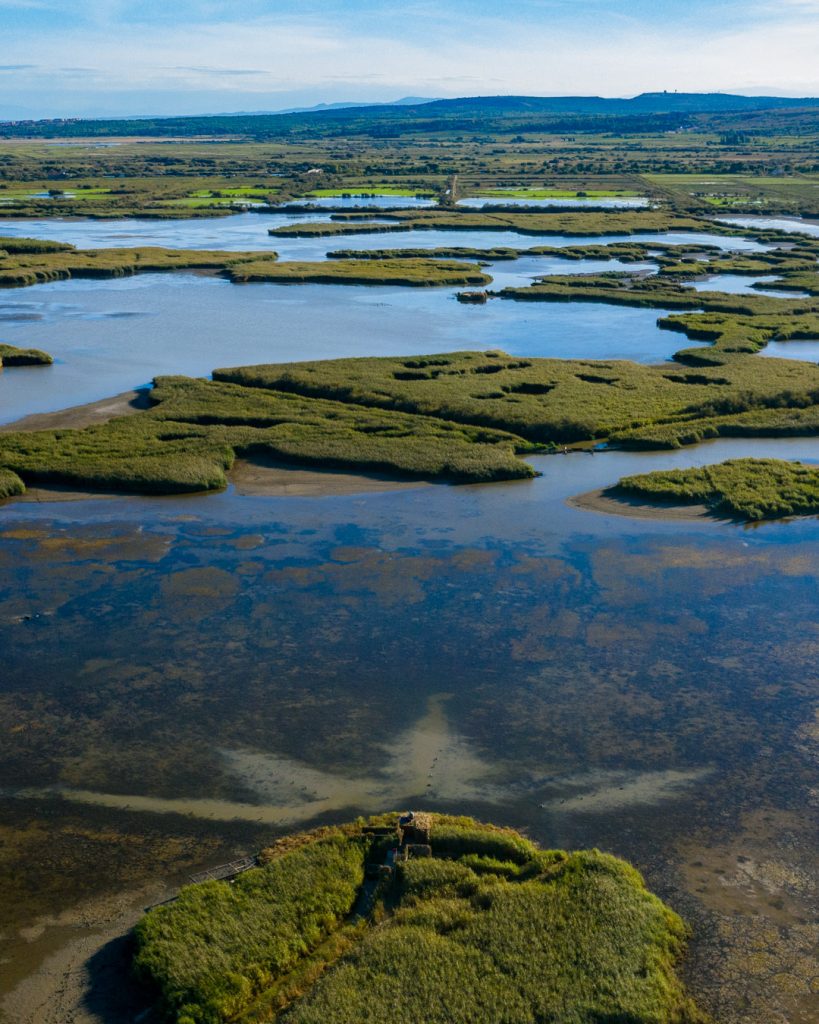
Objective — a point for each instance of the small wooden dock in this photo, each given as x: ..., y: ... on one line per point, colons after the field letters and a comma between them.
x: 224, y: 872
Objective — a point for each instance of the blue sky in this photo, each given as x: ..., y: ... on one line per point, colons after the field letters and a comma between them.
x: 62, y: 58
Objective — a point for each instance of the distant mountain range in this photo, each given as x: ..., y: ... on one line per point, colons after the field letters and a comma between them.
x: 645, y: 103
x: 407, y: 101
x: 660, y: 110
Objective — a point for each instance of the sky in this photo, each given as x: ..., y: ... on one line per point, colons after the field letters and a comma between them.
x: 100, y: 58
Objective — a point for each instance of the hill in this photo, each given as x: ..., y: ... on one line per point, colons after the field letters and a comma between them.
x: 649, y: 111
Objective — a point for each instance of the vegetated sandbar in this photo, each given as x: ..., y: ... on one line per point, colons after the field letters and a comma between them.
x: 747, y: 489
x: 562, y: 401
x: 84, y: 415
x: 21, y: 265
x: 609, y: 501
x: 465, y: 921
x: 195, y: 429
x: 10, y: 355
x: 460, y: 417
x: 558, y: 223
x: 414, y: 272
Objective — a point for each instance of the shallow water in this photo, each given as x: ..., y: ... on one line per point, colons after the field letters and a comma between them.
x: 796, y: 224
x: 742, y: 284
x: 250, y: 231
x: 807, y: 349
x: 214, y: 670
x: 110, y: 336
x: 608, y: 202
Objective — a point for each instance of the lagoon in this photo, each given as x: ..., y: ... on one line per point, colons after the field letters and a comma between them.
x: 249, y: 231
x: 114, y: 335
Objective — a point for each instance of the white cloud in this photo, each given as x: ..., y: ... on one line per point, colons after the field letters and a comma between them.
x: 270, y: 56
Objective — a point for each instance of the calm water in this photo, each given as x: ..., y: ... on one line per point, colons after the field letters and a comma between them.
x: 807, y: 349
x: 803, y: 227
x: 250, y: 231
x: 607, y: 202
x: 109, y: 336
x: 741, y: 284
x: 185, y: 678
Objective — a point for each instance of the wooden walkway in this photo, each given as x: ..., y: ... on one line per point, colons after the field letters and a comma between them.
x: 224, y: 871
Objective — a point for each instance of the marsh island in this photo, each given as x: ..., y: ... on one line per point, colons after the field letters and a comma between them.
x: 468, y: 921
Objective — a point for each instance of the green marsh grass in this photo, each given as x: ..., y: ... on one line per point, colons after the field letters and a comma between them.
x: 746, y: 488
x: 10, y: 355
x: 490, y: 928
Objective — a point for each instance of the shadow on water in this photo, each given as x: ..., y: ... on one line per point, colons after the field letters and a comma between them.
x: 112, y: 993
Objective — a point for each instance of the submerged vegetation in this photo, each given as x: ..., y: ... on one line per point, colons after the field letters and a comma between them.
x: 489, y: 927
x: 748, y: 488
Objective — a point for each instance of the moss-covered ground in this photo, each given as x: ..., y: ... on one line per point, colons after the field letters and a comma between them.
x: 489, y: 928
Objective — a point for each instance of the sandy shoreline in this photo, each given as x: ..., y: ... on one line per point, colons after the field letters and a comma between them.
x: 105, y: 409
x: 601, y: 500
x: 87, y: 979
x: 276, y: 479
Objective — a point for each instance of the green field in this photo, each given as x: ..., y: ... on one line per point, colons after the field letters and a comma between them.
x: 556, y: 193
x: 365, y: 189
x: 489, y: 928
x: 795, y: 194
